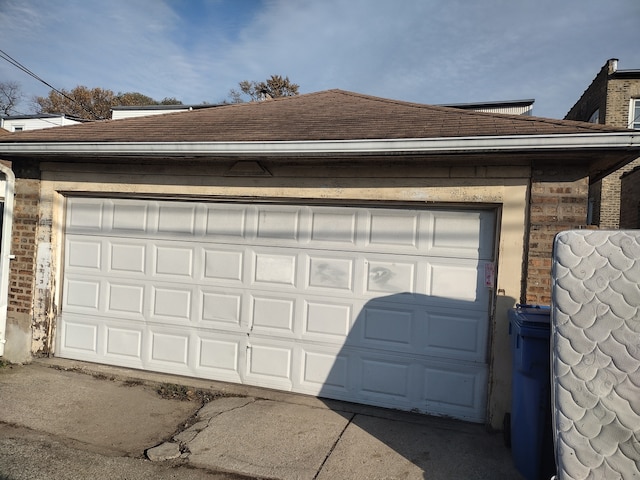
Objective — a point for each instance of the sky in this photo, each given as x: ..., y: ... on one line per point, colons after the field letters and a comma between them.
x: 424, y: 51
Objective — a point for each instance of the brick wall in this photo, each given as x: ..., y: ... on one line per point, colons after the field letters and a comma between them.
x: 630, y: 191
x: 21, y: 273
x: 594, y: 97
x: 25, y: 224
x: 611, y: 203
x: 558, y: 202
x: 620, y: 91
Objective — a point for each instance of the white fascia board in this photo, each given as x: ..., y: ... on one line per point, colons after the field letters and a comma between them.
x: 591, y: 141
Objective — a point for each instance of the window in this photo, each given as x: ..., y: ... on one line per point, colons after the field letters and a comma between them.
x: 634, y: 114
x: 595, y: 116
x: 18, y: 128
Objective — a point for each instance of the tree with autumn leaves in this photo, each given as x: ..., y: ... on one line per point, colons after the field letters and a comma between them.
x: 274, y: 87
x: 93, y: 103
x: 96, y: 103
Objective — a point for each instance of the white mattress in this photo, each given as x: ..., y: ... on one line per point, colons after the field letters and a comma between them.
x: 595, y: 363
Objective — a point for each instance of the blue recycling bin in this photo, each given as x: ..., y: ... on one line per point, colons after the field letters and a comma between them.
x: 531, y: 434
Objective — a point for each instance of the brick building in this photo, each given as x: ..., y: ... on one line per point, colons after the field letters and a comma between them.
x: 630, y: 192
x: 613, y: 98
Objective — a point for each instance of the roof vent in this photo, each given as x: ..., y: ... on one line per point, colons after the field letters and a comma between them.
x: 247, y: 168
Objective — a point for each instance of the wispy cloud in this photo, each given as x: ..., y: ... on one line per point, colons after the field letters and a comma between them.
x: 419, y: 50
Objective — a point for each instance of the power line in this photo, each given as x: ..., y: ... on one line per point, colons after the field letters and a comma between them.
x: 17, y: 64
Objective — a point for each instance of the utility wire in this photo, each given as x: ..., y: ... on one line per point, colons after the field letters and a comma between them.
x: 17, y: 64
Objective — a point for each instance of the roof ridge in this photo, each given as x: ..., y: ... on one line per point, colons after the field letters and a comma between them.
x: 475, y: 113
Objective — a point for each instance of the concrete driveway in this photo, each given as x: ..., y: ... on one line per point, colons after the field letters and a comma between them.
x: 115, y: 422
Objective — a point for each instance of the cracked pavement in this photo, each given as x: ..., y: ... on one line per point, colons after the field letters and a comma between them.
x: 73, y: 420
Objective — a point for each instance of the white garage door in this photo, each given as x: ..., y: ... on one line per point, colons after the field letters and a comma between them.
x: 381, y: 306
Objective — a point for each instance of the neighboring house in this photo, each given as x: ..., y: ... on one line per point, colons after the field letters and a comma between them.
x: 120, y: 112
x: 630, y: 193
x: 613, y: 98
x: 513, y: 107
x: 19, y: 123
x: 333, y: 243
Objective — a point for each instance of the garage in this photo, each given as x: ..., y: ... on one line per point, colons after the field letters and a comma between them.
x: 378, y: 304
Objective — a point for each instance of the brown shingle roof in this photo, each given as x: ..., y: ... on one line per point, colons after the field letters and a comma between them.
x: 327, y: 115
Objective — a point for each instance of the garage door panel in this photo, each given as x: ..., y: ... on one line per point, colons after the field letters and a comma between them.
x: 171, y: 304
x: 384, y: 378
x: 389, y: 277
x: 124, y: 342
x: 130, y: 216
x: 219, y: 356
x: 223, y: 265
x: 172, y: 261
x: 269, y: 364
x: 458, y: 282
x: 274, y: 269
x: 84, y: 254
x: 279, y: 223
x: 361, y: 304
x: 455, y: 334
x: 220, y: 308
x: 80, y: 336
x: 168, y: 347
x: 333, y: 227
x: 460, y: 234
x: 387, y: 327
x: 177, y: 218
x: 226, y: 222
x: 324, y: 370
x: 274, y: 314
x: 82, y: 294
x: 459, y: 392
x: 127, y: 258
x: 86, y: 215
x: 329, y: 272
x: 125, y: 299
x: 327, y: 321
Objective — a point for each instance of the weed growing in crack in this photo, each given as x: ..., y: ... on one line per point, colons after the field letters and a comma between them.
x: 184, y: 393
x: 132, y: 382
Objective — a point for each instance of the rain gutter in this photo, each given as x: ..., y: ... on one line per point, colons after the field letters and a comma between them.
x: 587, y: 141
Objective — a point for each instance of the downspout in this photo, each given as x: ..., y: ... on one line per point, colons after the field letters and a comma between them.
x: 5, y: 252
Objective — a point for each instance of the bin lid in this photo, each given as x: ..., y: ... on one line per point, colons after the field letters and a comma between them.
x: 534, y: 314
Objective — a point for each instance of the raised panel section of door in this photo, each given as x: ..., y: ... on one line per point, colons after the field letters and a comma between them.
x: 218, y: 356
x: 272, y: 269
x: 457, y: 390
x: 335, y: 227
x: 84, y: 214
x: 269, y: 364
x: 384, y: 277
x: 391, y: 230
x: 272, y: 313
x: 169, y: 347
x: 326, y: 272
x: 174, y: 218
x: 130, y: 216
x: 278, y: 223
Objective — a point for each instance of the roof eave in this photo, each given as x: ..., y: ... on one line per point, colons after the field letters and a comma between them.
x: 483, y: 144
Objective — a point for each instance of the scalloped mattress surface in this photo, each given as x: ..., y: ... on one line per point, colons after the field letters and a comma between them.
x: 595, y: 344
